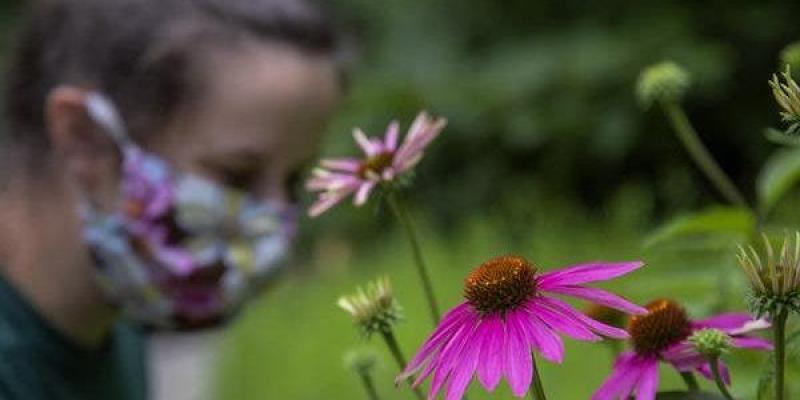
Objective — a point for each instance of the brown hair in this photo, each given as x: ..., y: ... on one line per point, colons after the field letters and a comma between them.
x: 140, y: 53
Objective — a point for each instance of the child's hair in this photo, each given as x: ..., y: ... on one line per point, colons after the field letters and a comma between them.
x: 143, y: 54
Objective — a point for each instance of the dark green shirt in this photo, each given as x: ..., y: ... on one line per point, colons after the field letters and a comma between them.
x: 37, y: 362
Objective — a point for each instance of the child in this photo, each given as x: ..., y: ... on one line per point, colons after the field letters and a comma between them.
x: 147, y: 172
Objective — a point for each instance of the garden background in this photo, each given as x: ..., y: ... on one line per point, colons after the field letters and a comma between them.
x: 547, y: 155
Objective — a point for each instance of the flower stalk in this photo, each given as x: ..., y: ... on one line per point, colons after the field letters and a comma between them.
x: 714, y: 363
x: 394, y: 348
x: 691, y: 381
x: 537, y: 389
x: 779, y: 330
x: 399, y: 210
x: 700, y: 154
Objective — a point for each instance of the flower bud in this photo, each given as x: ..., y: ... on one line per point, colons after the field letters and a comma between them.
x: 666, y: 81
x: 361, y: 360
x: 791, y: 56
x: 373, y: 308
x: 711, y: 343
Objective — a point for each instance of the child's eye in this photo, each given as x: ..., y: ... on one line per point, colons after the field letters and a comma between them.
x: 244, y: 179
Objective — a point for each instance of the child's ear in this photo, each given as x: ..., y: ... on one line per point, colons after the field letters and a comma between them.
x: 87, y: 154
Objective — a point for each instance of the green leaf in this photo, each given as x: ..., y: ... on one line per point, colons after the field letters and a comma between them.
x: 780, y: 173
x: 688, y: 396
x: 782, y: 137
x: 710, y: 222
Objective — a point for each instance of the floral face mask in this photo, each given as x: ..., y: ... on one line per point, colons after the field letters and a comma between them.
x: 180, y: 251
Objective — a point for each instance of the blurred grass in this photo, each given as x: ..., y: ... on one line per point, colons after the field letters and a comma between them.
x: 290, y: 344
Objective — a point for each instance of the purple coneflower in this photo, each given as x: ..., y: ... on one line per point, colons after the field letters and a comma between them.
x: 661, y: 335
x: 508, y: 313
x: 384, y: 161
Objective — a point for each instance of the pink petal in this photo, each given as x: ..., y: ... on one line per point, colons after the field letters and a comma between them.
x: 518, y: 365
x: 541, y: 336
x: 599, y: 296
x: 326, y: 201
x: 392, y: 134
x: 363, y: 193
x: 449, y: 356
x: 648, y: 383
x: 599, y: 327
x: 562, y: 323
x: 725, y: 322
x: 490, y: 368
x: 755, y: 343
x: 368, y: 146
x: 464, y: 368
x: 622, y: 380
x: 343, y: 164
x: 724, y: 373
x: 446, y: 329
x: 586, y: 273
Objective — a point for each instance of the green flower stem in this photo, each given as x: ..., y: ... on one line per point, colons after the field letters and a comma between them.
x: 700, y: 154
x: 718, y: 378
x: 779, y: 329
x: 402, y: 214
x: 391, y: 342
x: 691, y: 381
x: 369, y: 386
x: 537, y: 390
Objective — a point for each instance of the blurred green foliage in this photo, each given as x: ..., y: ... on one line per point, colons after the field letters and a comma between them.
x: 540, y: 97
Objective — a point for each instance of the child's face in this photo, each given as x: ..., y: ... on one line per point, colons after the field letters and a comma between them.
x: 258, y: 120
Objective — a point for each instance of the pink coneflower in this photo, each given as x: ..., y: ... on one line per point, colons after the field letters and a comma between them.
x: 384, y: 161
x: 661, y: 335
x: 508, y: 313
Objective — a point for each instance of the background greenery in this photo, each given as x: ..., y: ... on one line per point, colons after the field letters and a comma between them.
x: 547, y: 155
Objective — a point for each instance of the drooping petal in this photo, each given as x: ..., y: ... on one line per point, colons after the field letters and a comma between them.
x: 464, y: 368
x: 326, y: 201
x: 585, y: 273
x: 392, y: 135
x: 367, y: 145
x: 518, y: 365
x: 683, y: 356
x: 599, y: 327
x: 562, y: 323
x: 724, y: 373
x: 490, y: 367
x: 627, y: 370
x: 541, y: 336
x: 648, y: 382
x: 446, y: 329
x: 362, y: 195
x: 599, y: 296
x: 342, y: 164
x: 449, y: 356
x: 725, y: 322
x: 751, y: 342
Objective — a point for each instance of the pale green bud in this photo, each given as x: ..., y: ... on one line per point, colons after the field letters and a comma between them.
x: 665, y: 81
x: 711, y: 343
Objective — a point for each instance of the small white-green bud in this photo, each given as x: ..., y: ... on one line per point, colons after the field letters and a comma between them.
x: 711, y: 343
x: 665, y: 81
x: 373, y: 308
x: 361, y: 360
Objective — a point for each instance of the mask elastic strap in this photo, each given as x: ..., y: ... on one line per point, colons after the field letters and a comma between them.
x: 103, y: 112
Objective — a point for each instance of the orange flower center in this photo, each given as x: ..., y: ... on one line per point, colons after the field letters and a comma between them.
x: 376, y: 164
x: 664, y: 325
x: 500, y: 285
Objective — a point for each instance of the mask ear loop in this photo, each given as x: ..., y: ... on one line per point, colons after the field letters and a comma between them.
x: 103, y: 112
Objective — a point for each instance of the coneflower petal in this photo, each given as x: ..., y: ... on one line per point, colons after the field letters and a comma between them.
x: 599, y: 327
x: 446, y: 359
x: 622, y: 380
x: 586, y: 273
x: 392, y: 135
x: 599, y: 296
x: 563, y: 323
x: 517, y: 365
x: 756, y: 343
x: 705, y: 371
x: 464, y: 369
x: 447, y: 328
x: 342, y: 164
x: 490, y: 369
x: 363, y: 193
x: 541, y: 336
x: 648, y: 382
x: 725, y: 322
